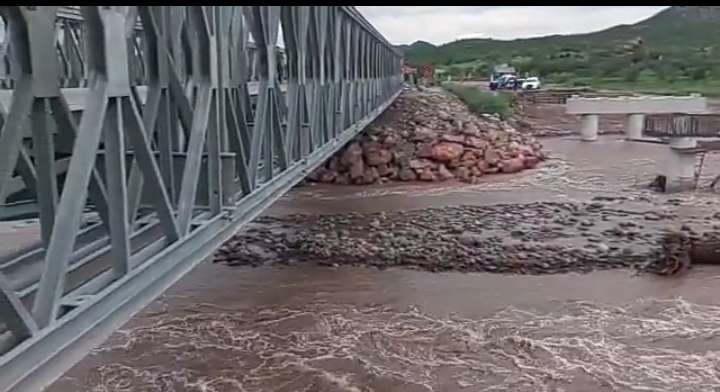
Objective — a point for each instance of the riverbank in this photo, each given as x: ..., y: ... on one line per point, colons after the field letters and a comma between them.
x: 577, y: 212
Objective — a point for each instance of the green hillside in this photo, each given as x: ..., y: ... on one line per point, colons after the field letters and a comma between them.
x: 676, y: 50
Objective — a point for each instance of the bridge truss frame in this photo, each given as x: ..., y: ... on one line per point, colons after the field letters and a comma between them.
x: 169, y: 177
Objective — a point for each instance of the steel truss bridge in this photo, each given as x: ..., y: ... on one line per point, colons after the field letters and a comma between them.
x: 143, y: 137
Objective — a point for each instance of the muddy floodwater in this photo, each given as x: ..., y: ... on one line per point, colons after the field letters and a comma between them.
x: 305, y: 327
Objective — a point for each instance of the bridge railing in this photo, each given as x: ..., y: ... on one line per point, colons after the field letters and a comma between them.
x: 682, y: 125
x: 70, y: 49
x: 165, y: 156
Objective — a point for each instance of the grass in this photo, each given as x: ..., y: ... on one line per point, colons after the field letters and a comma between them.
x: 707, y: 87
x: 482, y: 102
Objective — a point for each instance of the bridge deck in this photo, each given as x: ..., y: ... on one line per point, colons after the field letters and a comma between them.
x: 636, y: 105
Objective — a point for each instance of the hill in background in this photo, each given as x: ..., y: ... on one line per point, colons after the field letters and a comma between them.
x: 677, y: 49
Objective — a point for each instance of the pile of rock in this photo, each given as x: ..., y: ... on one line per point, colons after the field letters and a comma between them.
x: 431, y: 136
x: 529, y: 238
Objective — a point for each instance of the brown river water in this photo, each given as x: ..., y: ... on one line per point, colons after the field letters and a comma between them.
x: 309, y: 328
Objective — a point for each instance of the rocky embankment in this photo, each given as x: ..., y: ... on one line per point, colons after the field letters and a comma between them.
x: 431, y: 136
x: 537, y: 238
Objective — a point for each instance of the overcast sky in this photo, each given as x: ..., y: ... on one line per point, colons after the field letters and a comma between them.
x: 438, y: 25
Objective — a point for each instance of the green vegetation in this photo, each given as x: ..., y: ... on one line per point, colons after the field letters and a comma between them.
x: 706, y: 87
x: 479, y: 101
x: 674, y: 51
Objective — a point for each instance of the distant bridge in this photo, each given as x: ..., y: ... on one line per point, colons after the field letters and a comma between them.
x: 143, y: 137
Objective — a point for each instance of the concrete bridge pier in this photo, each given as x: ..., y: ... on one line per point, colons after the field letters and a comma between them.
x: 680, y: 165
x: 589, y: 127
x: 634, y: 126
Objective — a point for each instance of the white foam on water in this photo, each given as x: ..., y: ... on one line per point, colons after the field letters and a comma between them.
x: 646, y: 345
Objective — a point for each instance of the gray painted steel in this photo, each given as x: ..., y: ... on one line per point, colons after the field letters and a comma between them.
x: 174, y: 129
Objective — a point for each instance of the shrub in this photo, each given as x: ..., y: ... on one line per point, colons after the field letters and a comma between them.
x: 698, y: 74
x: 561, y: 77
x: 479, y: 101
x: 631, y: 75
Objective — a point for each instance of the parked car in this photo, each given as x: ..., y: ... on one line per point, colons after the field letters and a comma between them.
x: 512, y: 83
x: 500, y: 83
x: 531, y: 83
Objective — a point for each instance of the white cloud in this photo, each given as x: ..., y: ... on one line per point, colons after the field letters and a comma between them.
x: 438, y: 25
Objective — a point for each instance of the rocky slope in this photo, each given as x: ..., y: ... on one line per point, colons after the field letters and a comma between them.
x: 431, y: 136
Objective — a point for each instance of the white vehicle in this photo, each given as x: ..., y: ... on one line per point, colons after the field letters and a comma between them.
x: 531, y: 84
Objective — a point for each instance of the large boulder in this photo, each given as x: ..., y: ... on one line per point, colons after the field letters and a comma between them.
x: 424, y: 134
x: 454, y: 164
x: 369, y: 144
x: 468, y: 155
x: 443, y: 115
x: 424, y: 150
x: 402, y: 158
x: 328, y: 176
x: 383, y: 170
x: 407, y: 174
x: 447, y: 151
x: 462, y: 173
x: 419, y: 163
x: 491, y: 156
x: 390, y: 141
x: 427, y: 175
x: 352, y: 155
x: 483, y: 166
x: 512, y: 165
x: 357, y: 170
x: 370, y: 175
x: 443, y: 173
x: 530, y: 161
x: 377, y: 156
x: 470, y: 129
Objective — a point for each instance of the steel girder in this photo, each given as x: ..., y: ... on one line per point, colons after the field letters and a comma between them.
x: 70, y: 44
x: 166, y: 149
